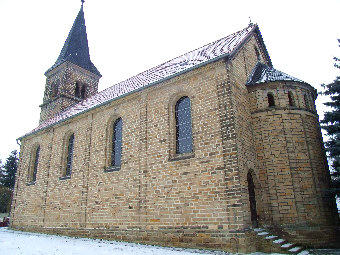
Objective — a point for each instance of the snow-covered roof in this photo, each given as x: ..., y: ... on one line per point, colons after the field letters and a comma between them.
x: 263, y: 73
x: 211, y: 52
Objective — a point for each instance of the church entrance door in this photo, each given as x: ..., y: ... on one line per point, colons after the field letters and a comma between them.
x: 252, y: 199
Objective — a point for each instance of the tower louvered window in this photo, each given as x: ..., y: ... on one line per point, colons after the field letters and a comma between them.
x: 69, y: 156
x: 83, y: 92
x: 183, y: 126
x: 116, y: 154
x: 77, y: 90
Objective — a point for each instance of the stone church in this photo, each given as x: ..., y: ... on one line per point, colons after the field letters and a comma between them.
x: 195, y: 152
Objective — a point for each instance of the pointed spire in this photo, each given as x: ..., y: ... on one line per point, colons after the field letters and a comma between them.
x: 76, y: 49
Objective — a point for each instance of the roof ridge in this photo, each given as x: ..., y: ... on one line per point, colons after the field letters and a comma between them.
x: 203, y: 55
x: 250, y: 25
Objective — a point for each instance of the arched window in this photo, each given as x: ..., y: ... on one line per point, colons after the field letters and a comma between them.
x: 69, y: 158
x: 83, y: 92
x: 116, y: 150
x: 271, y: 101
x: 77, y: 90
x: 183, y: 126
x: 305, y: 98
x: 291, y: 98
x: 35, y: 162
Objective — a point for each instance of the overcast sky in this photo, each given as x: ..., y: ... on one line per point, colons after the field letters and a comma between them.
x: 128, y: 37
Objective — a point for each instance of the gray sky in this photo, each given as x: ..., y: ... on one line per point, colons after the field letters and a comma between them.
x: 128, y: 37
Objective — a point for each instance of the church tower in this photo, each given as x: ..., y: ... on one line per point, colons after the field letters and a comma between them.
x: 73, y: 77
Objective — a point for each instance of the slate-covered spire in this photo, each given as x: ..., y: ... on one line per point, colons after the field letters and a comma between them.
x: 76, y: 49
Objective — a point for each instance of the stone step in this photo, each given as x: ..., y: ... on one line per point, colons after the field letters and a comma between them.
x: 295, y: 249
x: 279, y: 241
x: 262, y: 233
x: 287, y: 245
x: 304, y: 253
x: 271, y: 237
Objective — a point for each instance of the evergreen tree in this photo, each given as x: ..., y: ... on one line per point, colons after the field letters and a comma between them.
x: 5, y: 199
x: 331, y: 123
x: 7, y: 177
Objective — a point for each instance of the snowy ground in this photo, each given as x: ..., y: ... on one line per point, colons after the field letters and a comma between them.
x: 22, y: 243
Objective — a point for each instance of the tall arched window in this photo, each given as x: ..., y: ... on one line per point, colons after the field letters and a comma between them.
x: 69, y: 158
x: 291, y: 98
x: 183, y: 126
x: 77, y: 90
x: 271, y: 101
x: 116, y: 150
x: 35, y: 162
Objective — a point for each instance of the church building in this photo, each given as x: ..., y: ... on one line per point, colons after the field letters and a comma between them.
x: 197, y: 152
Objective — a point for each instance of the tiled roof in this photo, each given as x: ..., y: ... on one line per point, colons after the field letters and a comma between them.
x: 206, y: 54
x: 76, y: 49
x: 263, y: 73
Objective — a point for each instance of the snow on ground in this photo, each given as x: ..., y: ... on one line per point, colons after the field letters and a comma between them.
x: 22, y: 243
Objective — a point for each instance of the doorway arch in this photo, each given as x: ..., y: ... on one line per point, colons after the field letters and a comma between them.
x: 252, y: 200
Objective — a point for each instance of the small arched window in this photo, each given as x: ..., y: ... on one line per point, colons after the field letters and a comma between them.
x: 35, y: 162
x: 77, y: 90
x: 257, y: 53
x: 116, y: 150
x: 183, y: 126
x: 69, y: 155
x: 306, y: 99
x: 271, y: 101
x: 291, y: 98
x: 83, y: 92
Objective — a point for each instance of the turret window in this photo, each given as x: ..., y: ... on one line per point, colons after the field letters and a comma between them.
x: 271, y: 101
x: 291, y: 98
x: 306, y: 99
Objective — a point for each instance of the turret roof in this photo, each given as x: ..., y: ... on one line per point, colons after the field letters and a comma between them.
x: 263, y: 73
x: 76, y: 49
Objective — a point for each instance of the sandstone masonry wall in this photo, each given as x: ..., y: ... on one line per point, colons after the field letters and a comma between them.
x: 197, y: 199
